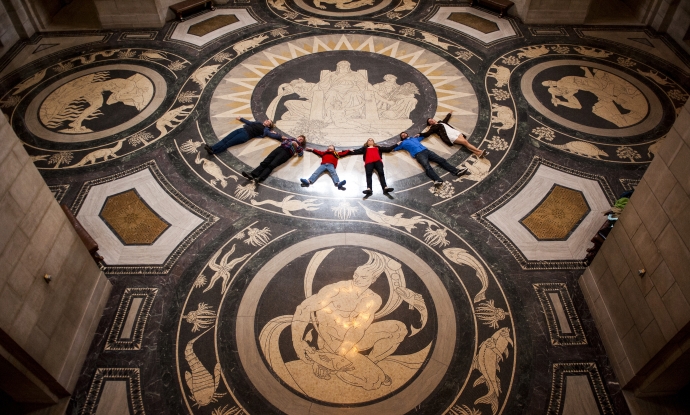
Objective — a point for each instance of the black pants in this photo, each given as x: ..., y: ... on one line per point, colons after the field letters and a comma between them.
x: 424, y: 157
x: 277, y: 157
x: 369, y: 169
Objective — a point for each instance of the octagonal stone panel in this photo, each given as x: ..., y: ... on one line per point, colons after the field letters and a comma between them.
x: 557, y: 215
x: 131, y: 219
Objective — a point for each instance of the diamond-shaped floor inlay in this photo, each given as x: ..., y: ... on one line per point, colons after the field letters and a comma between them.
x: 475, y: 22
x: 557, y: 215
x: 132, y: 219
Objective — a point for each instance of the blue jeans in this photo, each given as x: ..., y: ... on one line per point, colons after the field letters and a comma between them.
x: 236, y: 137
x: 322, y: 168
x: 425, y: 156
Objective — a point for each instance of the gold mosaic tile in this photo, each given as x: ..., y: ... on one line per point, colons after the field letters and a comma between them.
x: 132, y: 220
x: 475, y: 22
x: 557, y: 215
x: 214, y: 23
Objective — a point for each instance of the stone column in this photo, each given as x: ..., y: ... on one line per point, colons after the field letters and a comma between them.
x: 638, y: 286
x: 46, y: 328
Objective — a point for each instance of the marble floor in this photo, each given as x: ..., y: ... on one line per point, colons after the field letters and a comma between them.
x: 232, y: 297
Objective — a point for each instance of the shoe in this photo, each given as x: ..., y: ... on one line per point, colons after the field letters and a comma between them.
x: 388, y: 190
x: 460, y: 171
x: 483, y: 154
x: 341, y: 184
x: 305, y: 182
x: 257, y: 181
x: 247, y: 175
x: 438, y: 183
x: 368, y: 192
x: 208, y: 149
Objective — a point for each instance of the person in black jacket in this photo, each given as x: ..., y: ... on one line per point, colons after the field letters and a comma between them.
x: 372, y: 154
x: 450, y: 135
x: 250, y: 129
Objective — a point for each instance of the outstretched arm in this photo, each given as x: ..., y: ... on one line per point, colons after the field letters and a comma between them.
x: 360, y: 150
x: 272, y: 134
x: 445, y: 120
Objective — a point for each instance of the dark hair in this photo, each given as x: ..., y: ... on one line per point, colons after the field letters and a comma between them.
x: 270, y: 122
x: 427, y: 121
x: 400, y: 135
x: 304, y: 142
x: 366, y: 143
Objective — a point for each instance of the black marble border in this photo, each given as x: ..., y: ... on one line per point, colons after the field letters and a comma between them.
x: 59, y: 191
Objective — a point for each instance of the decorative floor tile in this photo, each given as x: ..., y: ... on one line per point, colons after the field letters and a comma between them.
x: 483, y: 27
x: 208, y: 27
x: 561, y: 318
x: 146, y: 234
x: 115, y: 391
x: 576, y: 389
x: 127, y: 331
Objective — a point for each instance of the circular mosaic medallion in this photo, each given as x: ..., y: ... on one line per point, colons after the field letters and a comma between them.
x: 342, y: 90
x: 342, y: 8
x: 592, y: 98
x: 95, y: 103
x: 344, y: 320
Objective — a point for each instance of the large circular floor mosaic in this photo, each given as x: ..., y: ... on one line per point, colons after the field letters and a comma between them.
x: 336, y: 320
x: 342, y: 90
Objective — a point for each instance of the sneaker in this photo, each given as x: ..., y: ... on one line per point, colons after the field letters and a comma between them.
x: 438, y: 183
x: 247, y: 175
x: 388, y: 190
x: 341, y: 184
x: 208, y: 149
x: 460, y: 171
x: 305, y: 182
x: 257, y: 181
x: 367, y: 192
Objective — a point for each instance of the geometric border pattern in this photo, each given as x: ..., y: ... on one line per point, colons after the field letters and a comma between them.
x: 629, y: 184
x: 131, y: 375
x: 139, y: 35
x: 208, y: 219
x: 480, y: 216
x: 134, y: 343
x: 59, y: 191
x: 558, y: 338
x: 561, y: 370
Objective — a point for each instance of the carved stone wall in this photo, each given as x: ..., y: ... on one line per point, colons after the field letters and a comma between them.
x: 45, y: 327
x: 638, y: 286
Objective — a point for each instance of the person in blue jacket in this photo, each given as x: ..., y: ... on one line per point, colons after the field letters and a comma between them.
x: 423, y: 156
x: 250, y: 129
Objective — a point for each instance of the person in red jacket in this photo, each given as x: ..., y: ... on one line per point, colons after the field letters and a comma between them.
x: 372, y: 155
x: 329, y: 162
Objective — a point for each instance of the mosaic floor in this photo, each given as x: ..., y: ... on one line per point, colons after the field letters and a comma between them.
x: 236, y: 298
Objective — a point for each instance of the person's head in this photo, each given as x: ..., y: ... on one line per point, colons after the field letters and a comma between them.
x: 430, y: 121
x: 366, y: 274
x: 302, y: 140
x: 370, y: 143
x: 268, y: 123
x: 331, y: 148
x: 404, y: 135
x: 343, y: 66
x: 390, y: 78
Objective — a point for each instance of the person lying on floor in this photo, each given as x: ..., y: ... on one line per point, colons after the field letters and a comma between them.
x: 288, y: 147
x: 450, y: 135
x: 423, y: 156
x: 372, y: 155
x: 329, y: 162
x: 250, y: 129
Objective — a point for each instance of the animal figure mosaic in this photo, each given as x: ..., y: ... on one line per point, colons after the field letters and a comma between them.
x: 201, y: 384
x: 29, y: 82
x: 582, y: 148
x: 462, y: 257
x: 408, y: 223
x: 288, y: 205
x: 214, y: 170
x: 223, y: 268
x: 532, y: 52
x: 503, y: 115
x: 172, y: 118
x: 103, y: 153
x: 344, y: 4
x: 500, y: 73
x: 245, y: 45
x: 491, y: 353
